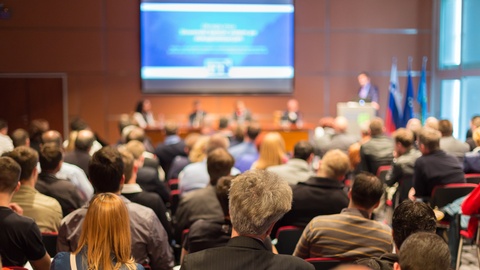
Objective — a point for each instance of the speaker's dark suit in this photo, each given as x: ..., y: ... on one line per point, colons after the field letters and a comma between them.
x: 242, y: 253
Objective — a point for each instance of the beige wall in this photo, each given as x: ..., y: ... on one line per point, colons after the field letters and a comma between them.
x: 95, y: 42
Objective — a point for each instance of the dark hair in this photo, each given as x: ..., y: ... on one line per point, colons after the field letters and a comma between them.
x: 404, y: 136
x: 106, y: 170
x: 84, y: 140
x: 411, y: 217
x: 223, y: 123
x: 26, y: 157
x: 171, y: 128
x: 302, y: 150
x: 139, y: 107
x: 50, y: 156
x: 78, y: 124
x: 9, y: 174
x: 425, y: 251
x: 222, y: 189
x: 445, y: 127
x: 367, y: 190
x: 19, y: 137
x: 252, y: 131
x: 219, y: 163
x: 3, y: 124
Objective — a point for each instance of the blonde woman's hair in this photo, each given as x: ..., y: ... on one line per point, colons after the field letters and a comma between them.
x: 197, y: 153
x: 106, y: 232
x: 272, y: 151
x: 335, y: 164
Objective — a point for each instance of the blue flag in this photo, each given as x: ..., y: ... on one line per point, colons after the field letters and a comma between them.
x: 422, y: 92
x: 408, y: 108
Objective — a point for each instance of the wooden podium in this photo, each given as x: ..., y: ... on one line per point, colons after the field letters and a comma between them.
x: 357, y: 113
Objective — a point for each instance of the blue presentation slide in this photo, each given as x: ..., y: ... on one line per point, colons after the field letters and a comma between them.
x: 238, y: 41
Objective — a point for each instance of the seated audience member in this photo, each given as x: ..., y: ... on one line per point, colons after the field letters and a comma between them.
x: 195, y: 145
x: 405, y: 156
x: 434, y: 167
x: 179, y: 162
x: 323, y: 135
x: 449, y: 144
x: 238, y: 136
x: 6, y: 143
x: 69, y: 171
x: 149, y: 239
x: 224, y: 128
x: 196, y: 118
x: 246, y: 152
x: 143, y: 115
x: 408, y: 218
x: 414, y: 125
x: 323, y: 194
x: 66, y: 193
x: 474, y: 124
x: 378, y: 150
x: 354, y: 149
x: 257, y: 200
x: 36, y: 129
x: 423, y: 251
x: 352, y: 233
x: 203, y: 203
x: 46, y: 211
x: 341, y: 139
x: 105, y: 241
x: 471, y: 161
x: 272, y: 151
x: 135, y: 133
x: 80, y: 155
x: 431, y: 122
x: 241, y: 114
x: 76, y: 125
x: 292, y: 115
x: 20, y: 137
x: 20, y: 238
x: 172, y: 146
x: 195, y: 175
x: 132, y: 191
x: 297, y: 169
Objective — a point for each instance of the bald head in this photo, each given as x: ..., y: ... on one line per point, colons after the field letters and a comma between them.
x: 340, y: 124
x: 431, y: 122
x: 292, y: 105
x: 84, y: 141
x: 52, y: 136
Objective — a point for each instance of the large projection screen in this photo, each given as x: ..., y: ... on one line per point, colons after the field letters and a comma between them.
x: 217, y: 47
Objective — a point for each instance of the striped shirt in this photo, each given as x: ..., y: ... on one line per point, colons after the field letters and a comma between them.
x: 349, y: 234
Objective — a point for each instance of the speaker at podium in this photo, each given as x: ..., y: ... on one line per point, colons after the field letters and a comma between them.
x: 357, y: 113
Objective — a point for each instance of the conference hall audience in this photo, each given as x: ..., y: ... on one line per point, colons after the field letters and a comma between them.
x: 149, y: 239
x: 246, y: 152
x: 272, y: 151
x: 402, y: 167
x: 20, y: 137
x: 134, y: 192
x: 172, y: 146
x: 323, y: 135
x: 435, y: 166
x: 80, y: 156
x: 423, y: 251
x: 257, y: 200
x: 341, y: 139
x: 147, y: 177
x: 323, y: 194
x: 180, y: 161
x: 6, y: 143
x: 471, y: 161
x: 195, y: 175
x: 105, y: 241
x: 27, y: 244
x: 65, y: 192
x: 135, y: 133
x: 378, y: 151
x: 350, y: 234
x: 45, y: 210
x: 297, y: 169
x: 449, y: 144
x: 76, y: 125
x: 69, y: 171
x: 408, y: 218
x: 203, y: 203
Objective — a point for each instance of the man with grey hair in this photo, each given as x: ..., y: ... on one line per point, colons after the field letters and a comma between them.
x: 341, y: 139
x: 80, y: 156
x: 258, y: 199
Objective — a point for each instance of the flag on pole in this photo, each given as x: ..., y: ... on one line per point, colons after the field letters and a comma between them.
x: 408, y: 108
x: 393, y: 119
x: 422, y: 92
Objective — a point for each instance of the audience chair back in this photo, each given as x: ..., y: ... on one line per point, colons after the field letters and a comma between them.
x: 473, y: 178
x: 287, y: 239
x: 327, y: 263
x: 49, y: 239
x: 382, y: 172
x: 445, y: 194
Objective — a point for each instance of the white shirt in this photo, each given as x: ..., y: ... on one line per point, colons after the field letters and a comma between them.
x: 6, y: 144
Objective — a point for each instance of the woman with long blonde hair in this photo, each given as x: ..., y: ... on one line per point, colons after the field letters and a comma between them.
x: 105, y: 239
x: 272, y: 151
